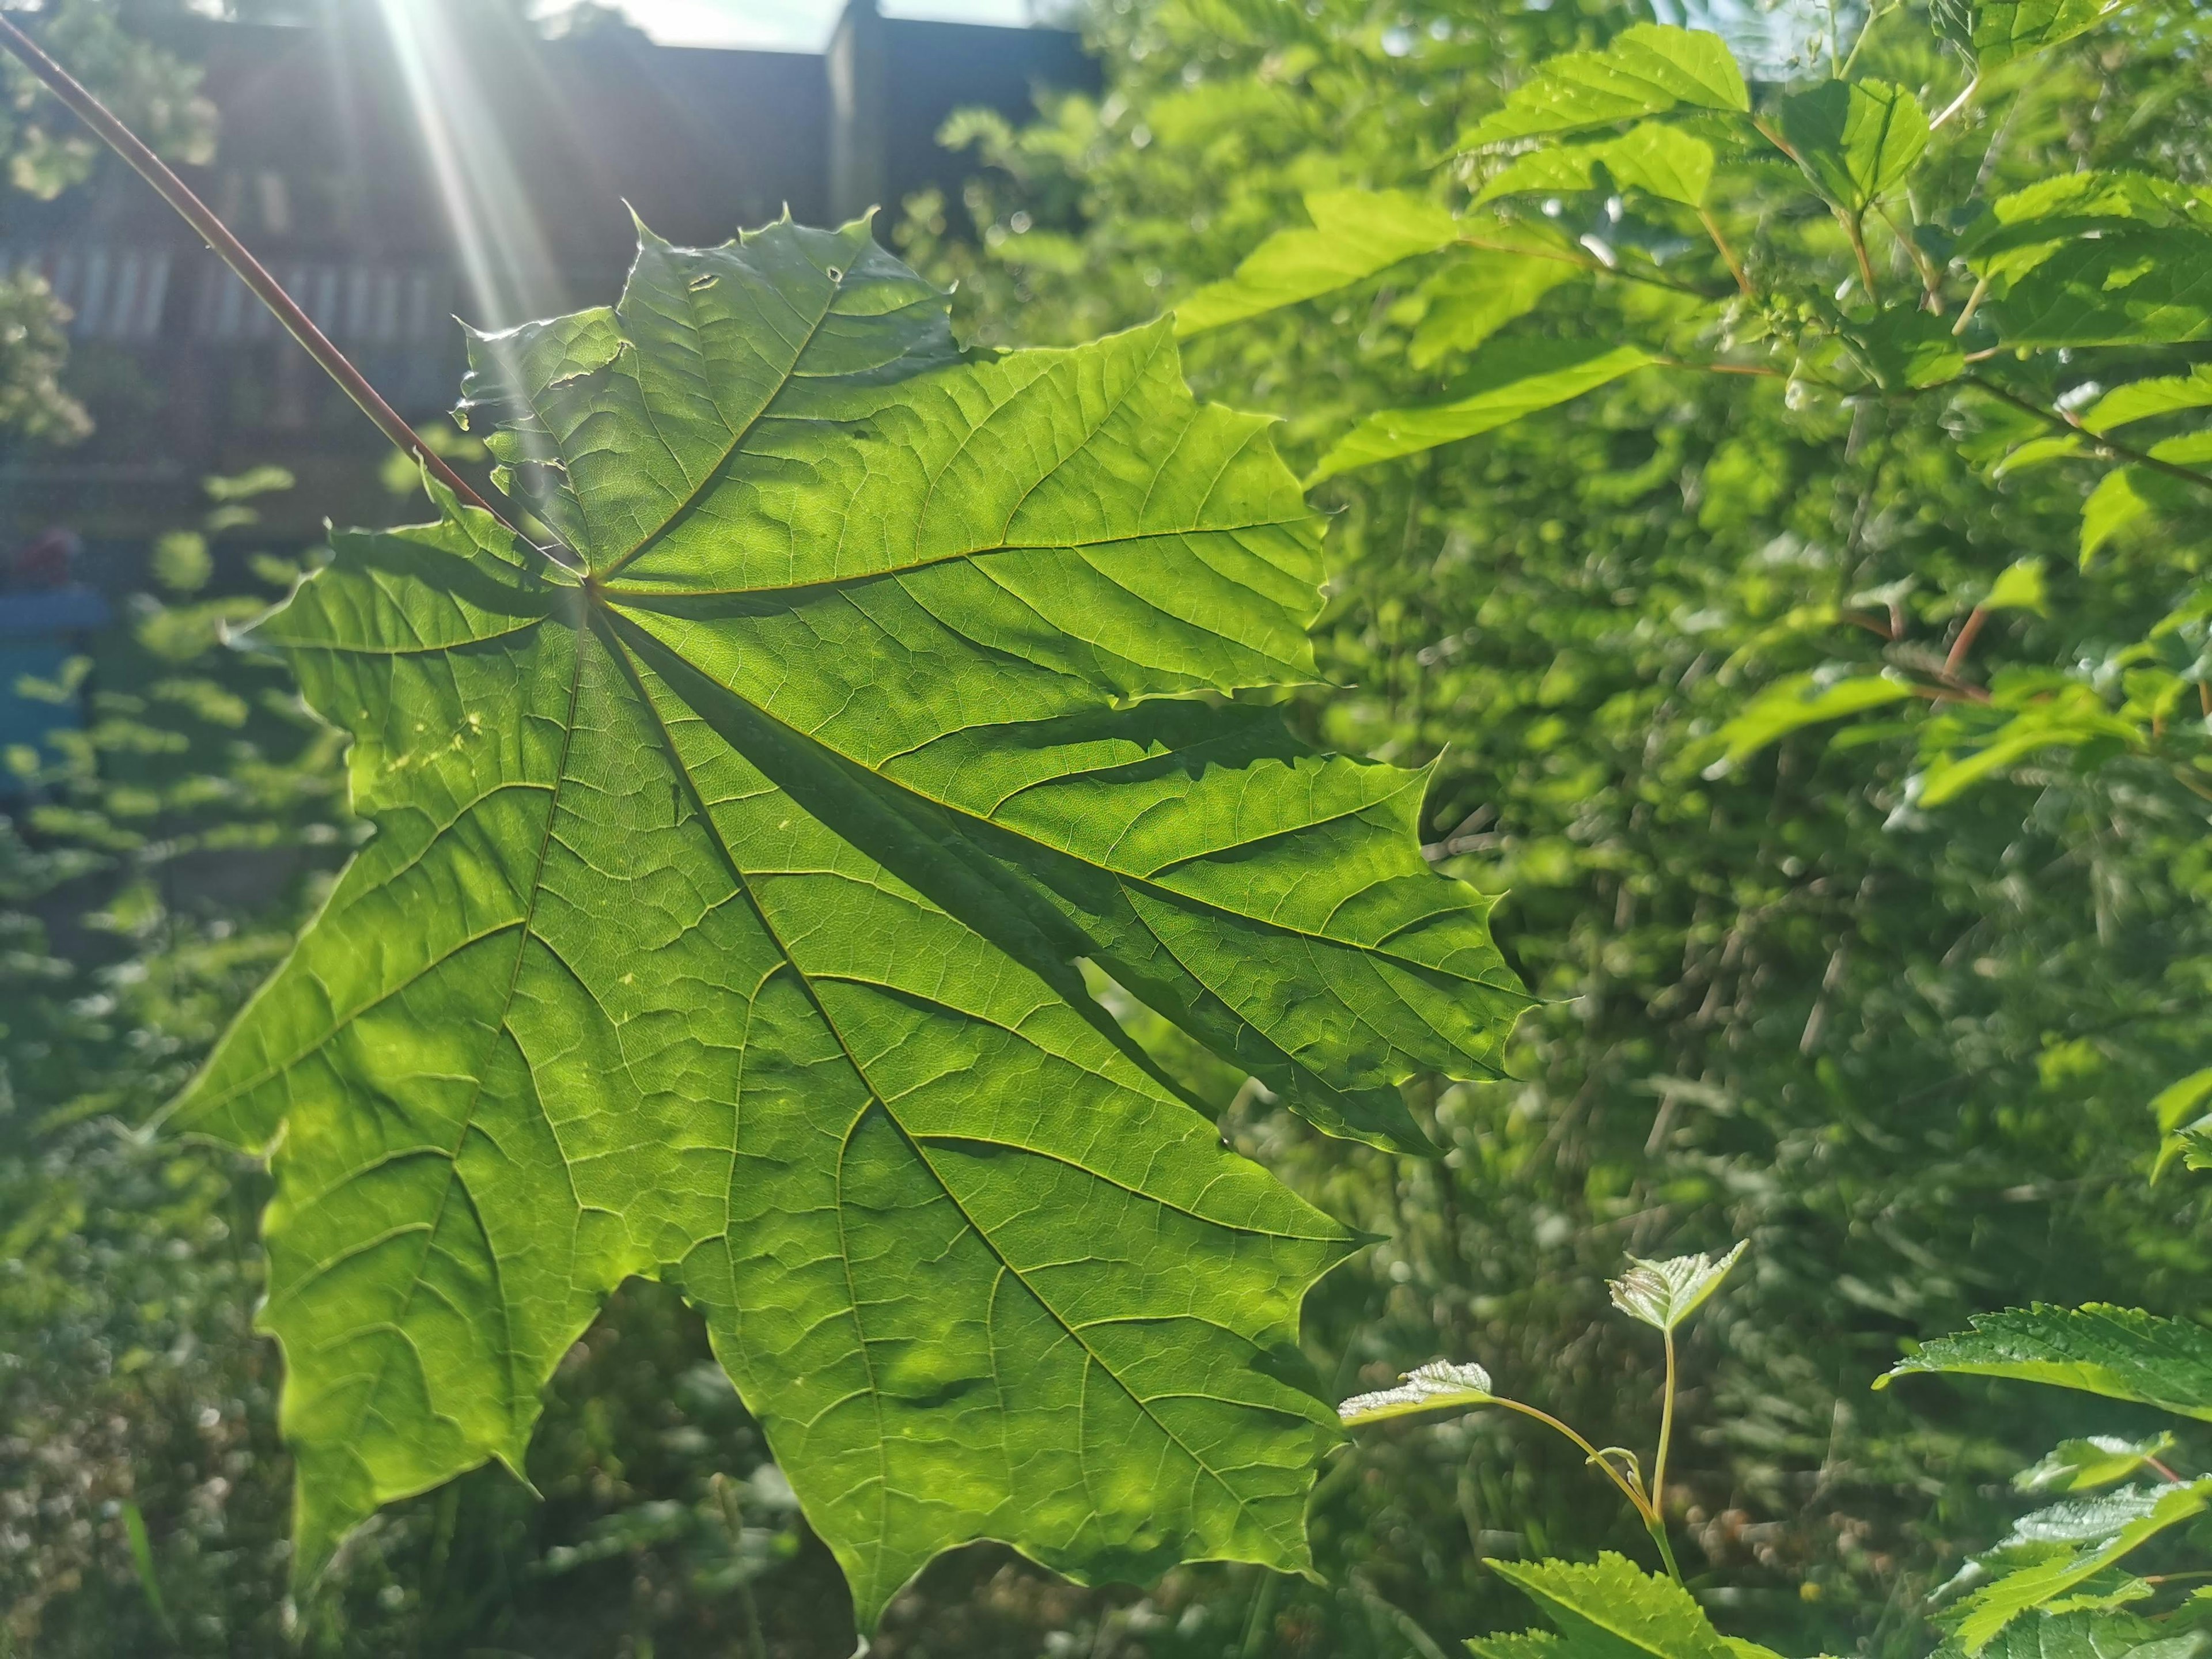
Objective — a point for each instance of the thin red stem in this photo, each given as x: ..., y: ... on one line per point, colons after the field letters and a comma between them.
x: 233, y: 253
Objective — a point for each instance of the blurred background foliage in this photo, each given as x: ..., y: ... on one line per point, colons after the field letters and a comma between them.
x: 1906, y: 1054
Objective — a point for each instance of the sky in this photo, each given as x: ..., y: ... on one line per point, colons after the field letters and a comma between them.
x: 794, y: 25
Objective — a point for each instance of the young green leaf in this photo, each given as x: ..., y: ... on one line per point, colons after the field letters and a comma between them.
x: 2141, y: 400
x: 724, y: 918
x: 2173, y: 1107
x: 1356, y: 233
x: 1607, y: 1609
x: 2111, y: 507
x: 1440, y: 1385
x: 2099, y: 1459
x: 1856, y: 140
x: 1996, y: 1605
x: 1474, y: 296
x: 1649, y: 69
x: 1802, y: 700
x: 2118, y: 1352
x: 2019, y: 586
x: 1511, y: 380
x: 1656, y: 158
x: 2005, y: 29
x: 1663, y: 1294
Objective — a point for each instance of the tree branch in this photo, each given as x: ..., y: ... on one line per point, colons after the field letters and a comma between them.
x: 233, y: 253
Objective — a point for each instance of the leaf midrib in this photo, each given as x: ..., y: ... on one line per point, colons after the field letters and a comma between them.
x: 783, y: 381
x: 635, y: 671
x: 1156, y: 889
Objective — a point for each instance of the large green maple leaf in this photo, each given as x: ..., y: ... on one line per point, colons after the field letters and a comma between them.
x: 724, y: 922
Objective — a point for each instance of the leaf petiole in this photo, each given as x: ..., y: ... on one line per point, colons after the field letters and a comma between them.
x: 119, y: 137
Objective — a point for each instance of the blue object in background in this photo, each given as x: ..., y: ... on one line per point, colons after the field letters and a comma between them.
x: 41, y: 628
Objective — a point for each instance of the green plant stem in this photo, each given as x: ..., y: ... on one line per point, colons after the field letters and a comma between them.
x: 1637, y: 1500
x: 1973, y: 304
x: 1728, y: 254
x: 126, y: 144
x: 1965, y: 97
x: 1655, y: 1517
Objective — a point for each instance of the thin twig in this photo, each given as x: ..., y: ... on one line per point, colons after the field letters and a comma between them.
x: 2112, y: 447
x: 1589, y: 262
x: 1968, y: 631
x: 233, y: 253
x: 1728, y: 253
x: 1957, y: 104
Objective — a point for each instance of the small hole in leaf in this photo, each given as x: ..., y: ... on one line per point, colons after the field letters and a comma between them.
x: 836, y: 275
x: 700, y: 285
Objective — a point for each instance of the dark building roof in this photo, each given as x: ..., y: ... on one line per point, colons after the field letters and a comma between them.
x: 394, y: 181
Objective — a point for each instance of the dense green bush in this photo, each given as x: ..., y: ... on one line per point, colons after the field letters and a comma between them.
x: 1906, y: 1053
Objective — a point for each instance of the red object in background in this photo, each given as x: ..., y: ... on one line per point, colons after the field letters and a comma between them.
x: 44, y: 561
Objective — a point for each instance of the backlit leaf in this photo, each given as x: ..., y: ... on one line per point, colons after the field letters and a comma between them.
x: 2118, y: 1353
x: 1655, y: 158
x: 1355, y: 234
x: 1663, y: 1294
x: 1856, y: 140
x: 2019, y: 586
x: 2005, y: 29
x: 2111, y: 507
x: 725, y: 918
x: 1649, y: 69
x: 1802, y: 700
x: 2141, y: 400
x: 1508, y: 381
x: 1476, y: 296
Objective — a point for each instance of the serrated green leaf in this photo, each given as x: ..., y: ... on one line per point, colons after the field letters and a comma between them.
x: 2118, y: 1353
x: 1656, y: 158
x: 2096, y: 1461
x: 1607, y: 1609
x: 1520, y: 1644
x: 2141, y: 400
x: 2036, y: 452
x: 1802, y: 700
x: 1476, y: 296
x: 1855, y: 140
x: 1994, y: 1605
x: 1649, y: 69
x: 1440, y: 1385
x: 1663, y: 1294
x: 1355, y: 234
x: 1509, y: 380
x: 723, y: 919
x: 2083, y: 1636
x: 2022, y: 226
x: 2005, y: 29
x: 2150, y: 286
